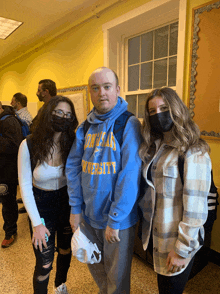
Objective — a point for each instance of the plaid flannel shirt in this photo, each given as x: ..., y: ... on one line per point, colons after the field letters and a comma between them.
x: 25, y: 115
x: 172, y: 213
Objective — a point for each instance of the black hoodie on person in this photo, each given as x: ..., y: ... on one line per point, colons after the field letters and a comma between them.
x: 10, y: 139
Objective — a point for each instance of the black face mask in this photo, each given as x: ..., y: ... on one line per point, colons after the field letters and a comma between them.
x: 161, y: 122
x: 60, y: 124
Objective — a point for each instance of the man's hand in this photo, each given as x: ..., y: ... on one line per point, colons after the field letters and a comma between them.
x: 175, y: 262
x: 75, y: 220
x: 112, y: 235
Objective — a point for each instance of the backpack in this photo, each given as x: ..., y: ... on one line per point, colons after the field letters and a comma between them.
x: 119, y: 126
x: 212, y: 197
x: 24, y: 126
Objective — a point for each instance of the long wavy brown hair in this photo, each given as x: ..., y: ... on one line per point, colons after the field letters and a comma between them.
x: 42, y: 137
x: 185, y: 131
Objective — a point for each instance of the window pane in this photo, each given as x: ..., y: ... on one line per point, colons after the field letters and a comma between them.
x: 133, y: 50
x: 161, y: 42
x: 160, y: 73
x: 133, y: 78
x: 132, y: 100
x: 147, y: 47
x: 173, y: 38
x: 146, y: 76
x: 172, y: 72
x: 141, y: 105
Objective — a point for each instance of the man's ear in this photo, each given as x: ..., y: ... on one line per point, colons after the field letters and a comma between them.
x: 118, y: 90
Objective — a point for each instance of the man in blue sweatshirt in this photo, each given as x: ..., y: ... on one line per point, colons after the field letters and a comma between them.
x: 103, y: 182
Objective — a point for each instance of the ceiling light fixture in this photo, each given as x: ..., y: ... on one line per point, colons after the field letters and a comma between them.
x: 7, y: 27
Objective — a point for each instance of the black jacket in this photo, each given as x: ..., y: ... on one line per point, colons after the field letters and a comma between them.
x: 10, y: 139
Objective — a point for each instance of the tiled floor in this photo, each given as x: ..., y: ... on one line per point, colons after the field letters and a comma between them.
x: 17, y: 265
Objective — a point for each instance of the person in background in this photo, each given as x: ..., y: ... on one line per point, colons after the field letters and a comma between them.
x: 19, y: 103
x: 46, y: 90
x: 173, y: 214
x: 10, y: 139
x: 41, y: 166
x: 103, y: 182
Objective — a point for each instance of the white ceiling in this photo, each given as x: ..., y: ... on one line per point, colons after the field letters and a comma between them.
x: 41, y: 20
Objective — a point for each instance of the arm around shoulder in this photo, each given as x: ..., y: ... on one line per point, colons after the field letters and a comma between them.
x: 73, y: 172
x: 128, y: 181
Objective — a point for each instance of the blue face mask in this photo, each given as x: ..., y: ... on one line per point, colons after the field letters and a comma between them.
x: 161, y: 122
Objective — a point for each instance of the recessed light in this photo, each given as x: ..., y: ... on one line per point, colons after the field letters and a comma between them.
x: 8, y: 26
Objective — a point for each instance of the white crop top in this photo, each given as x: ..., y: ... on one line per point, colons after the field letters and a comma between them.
x: 45, y: 177
x: 48, y: 177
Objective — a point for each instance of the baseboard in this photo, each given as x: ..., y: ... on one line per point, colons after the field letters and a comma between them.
x: 214, y: 257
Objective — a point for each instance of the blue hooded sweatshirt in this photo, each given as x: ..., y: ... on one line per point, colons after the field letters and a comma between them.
x: 102, y: 176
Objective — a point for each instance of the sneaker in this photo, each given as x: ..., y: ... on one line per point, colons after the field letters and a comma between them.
x: 8, y: 241
x: 62, y: 289
x: 22, y: 210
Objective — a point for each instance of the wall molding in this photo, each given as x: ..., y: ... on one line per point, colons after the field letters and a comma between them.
x: 195, y: 46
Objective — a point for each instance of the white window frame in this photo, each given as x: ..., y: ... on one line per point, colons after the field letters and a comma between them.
x: 148, y: 16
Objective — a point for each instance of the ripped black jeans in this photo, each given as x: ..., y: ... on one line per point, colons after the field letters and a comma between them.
x: 54, y: 207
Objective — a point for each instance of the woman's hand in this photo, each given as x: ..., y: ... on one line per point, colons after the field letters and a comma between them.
x: 39, y: 236
x: 175, y: 262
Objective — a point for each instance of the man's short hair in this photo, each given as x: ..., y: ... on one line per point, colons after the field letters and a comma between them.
x: 19, y: 97
x: 49, y: 85
x: 116, y: 77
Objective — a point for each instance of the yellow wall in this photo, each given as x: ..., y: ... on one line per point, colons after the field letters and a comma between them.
x: 71, y: 58
x: 68, y: 60
x: 214, y: 144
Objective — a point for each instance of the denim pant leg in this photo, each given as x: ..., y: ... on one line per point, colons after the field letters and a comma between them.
x: 10, y: 210
x: 112, y: 274
x: 46, y: 204
x: 64, y: 235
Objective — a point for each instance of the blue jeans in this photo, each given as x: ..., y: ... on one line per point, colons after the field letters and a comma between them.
x: 54, y: 207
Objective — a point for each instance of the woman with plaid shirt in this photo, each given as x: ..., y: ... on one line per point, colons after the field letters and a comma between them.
x: 173, y: 214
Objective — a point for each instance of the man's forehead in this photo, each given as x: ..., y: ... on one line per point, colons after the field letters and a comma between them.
x: 102, y: 77
x: 100, y: 84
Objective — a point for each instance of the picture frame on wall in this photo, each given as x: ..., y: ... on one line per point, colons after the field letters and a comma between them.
x: 79, y: 95
x: 204, y: 98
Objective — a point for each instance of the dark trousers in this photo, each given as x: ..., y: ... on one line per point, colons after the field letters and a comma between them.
x: 171, y: 284
x: 174, y: 284
x: 54, y: 207
x: 10, y: 210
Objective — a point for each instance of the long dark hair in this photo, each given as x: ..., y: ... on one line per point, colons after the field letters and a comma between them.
x: 43, y: 132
